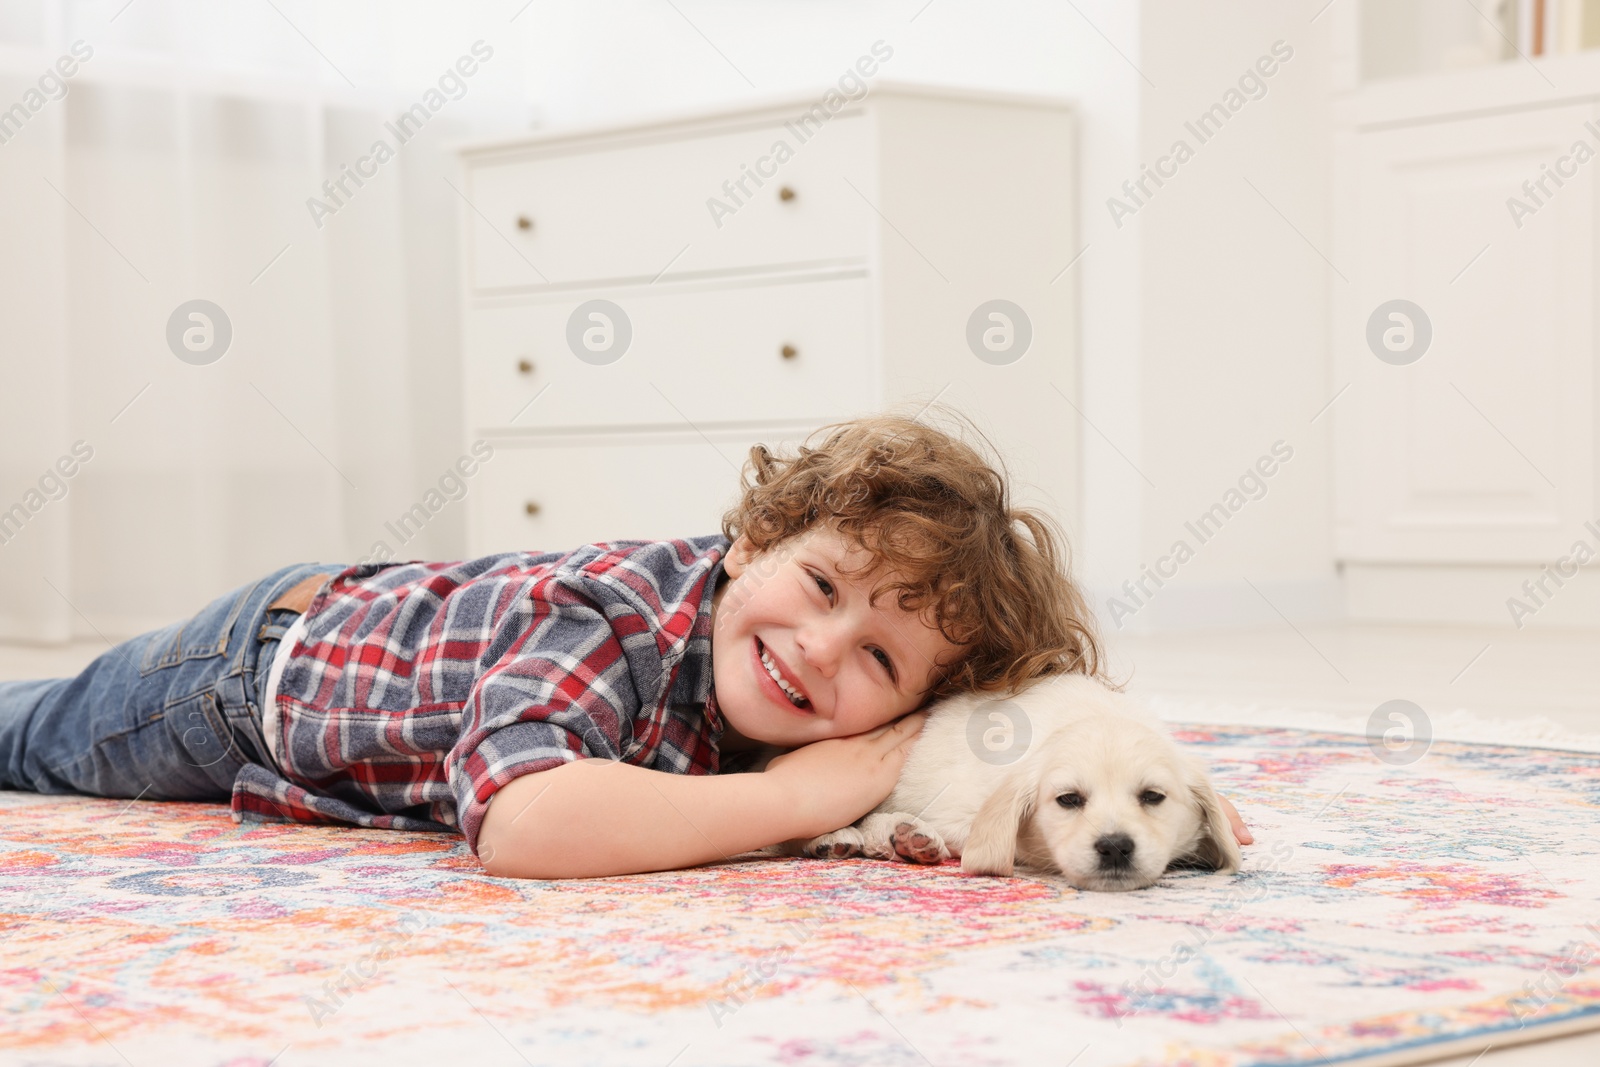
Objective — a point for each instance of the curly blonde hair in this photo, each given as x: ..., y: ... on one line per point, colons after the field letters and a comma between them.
x: 938, y: 518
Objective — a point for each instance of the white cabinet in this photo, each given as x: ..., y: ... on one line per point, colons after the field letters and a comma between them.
x: 630, y: 208
x: 703, y: 354
x: 562, y: 492
x: 1483, y: 450
x: 643, y: 302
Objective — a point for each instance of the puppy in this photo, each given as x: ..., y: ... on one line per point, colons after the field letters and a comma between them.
x: 1065, y: 776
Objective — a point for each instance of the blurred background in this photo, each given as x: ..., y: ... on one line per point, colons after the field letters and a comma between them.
x: 1283, y: 310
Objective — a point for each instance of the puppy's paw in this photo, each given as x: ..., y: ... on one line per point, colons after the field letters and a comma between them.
x: 840, y: 845
x: 916, y: 842
x: 898, y: 836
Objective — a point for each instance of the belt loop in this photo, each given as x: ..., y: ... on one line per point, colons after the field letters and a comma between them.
x: 250, y: 618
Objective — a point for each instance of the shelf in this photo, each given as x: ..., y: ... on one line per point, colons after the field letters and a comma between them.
x: 1517, y: 85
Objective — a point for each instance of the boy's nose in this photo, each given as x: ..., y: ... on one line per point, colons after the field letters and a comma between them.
x: 820, y: 649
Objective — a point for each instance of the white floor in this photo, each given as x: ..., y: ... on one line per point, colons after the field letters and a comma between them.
x: 1497, y: 673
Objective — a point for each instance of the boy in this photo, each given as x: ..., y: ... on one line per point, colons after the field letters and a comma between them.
x: 569, y: 712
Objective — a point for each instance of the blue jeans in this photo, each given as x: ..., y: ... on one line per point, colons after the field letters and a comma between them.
x: 169, y: 715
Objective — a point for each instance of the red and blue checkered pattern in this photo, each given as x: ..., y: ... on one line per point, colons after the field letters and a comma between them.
x: 419, y: 689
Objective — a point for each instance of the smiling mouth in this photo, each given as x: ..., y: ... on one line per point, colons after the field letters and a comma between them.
x: 778, y: 679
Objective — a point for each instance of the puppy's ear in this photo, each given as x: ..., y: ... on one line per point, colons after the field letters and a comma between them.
x: 991, y: 845
x: 1216, y: 847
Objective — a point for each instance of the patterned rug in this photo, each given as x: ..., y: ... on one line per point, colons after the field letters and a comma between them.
x: 1387, y: 914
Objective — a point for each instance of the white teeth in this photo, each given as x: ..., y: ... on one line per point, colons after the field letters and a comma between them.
x: 772, y: 669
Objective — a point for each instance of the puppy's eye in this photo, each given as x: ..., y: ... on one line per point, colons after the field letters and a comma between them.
x: 1071, y: 801
x: 1151, y: 797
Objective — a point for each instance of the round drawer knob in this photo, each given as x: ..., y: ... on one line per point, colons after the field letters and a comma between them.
x: 788, y: 351
x: 786, y: 193
x: 525, y: 366
x: 531, y: 508
x: 524, y: 222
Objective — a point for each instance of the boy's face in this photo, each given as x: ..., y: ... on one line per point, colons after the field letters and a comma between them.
x: 854, y: 666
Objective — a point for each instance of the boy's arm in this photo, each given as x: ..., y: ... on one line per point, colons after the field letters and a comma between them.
x: 597, y: 817
x: 594, y: 817
x: 1241, y: 832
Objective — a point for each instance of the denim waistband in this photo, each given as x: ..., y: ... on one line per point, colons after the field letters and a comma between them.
x: 253, y: 641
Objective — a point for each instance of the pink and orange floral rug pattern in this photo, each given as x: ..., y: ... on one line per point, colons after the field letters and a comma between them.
x: 1386, y: 914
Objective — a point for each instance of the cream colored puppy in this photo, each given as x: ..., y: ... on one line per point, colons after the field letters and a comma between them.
x: 1065, y: 776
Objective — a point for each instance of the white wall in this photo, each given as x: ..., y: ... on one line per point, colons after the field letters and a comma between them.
x: 1202, y: 318
x: 1233, y: 308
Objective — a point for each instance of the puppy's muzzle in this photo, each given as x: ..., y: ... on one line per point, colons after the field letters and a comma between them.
x: 1115, y: 852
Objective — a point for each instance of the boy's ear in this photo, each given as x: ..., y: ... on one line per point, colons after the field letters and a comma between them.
x: 738, y: 557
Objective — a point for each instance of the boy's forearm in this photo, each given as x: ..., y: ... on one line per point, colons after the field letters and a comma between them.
x: 597, y: 817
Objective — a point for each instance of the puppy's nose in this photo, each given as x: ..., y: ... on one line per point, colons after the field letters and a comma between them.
x: 1116, y: 851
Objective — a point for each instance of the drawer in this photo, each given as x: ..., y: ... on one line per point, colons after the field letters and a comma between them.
x: 712, y: 355
x: 636, y: 212
x: 558, y: 495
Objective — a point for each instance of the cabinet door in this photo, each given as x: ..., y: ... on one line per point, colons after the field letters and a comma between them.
x: 1483, y: 448
x: 556, y: 494
x: 635, y: 209
x: 741, y: 354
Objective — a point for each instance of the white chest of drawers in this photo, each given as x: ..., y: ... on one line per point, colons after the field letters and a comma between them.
x: 761, y: 271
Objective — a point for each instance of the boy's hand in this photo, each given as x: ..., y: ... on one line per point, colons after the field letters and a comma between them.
x: 1241, y: 832
x: 833, y: 783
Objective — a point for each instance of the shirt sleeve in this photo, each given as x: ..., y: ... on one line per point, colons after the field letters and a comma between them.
x: 558, y: 691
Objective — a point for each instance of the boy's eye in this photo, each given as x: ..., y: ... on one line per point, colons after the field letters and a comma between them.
x: 883, y: 657
x: 879, y: 654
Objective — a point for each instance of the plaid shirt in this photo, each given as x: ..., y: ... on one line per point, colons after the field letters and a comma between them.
x: 418, y: 689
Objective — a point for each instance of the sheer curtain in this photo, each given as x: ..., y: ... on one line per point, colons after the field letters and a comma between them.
x: 162, y: 152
